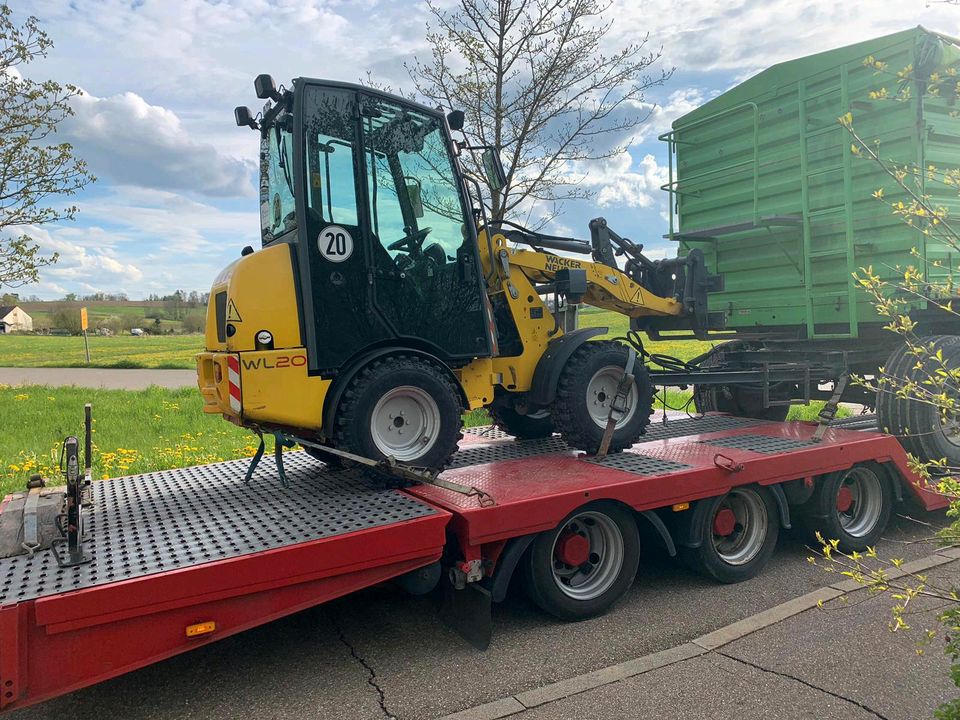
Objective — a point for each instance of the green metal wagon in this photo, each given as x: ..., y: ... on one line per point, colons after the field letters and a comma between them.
x: 765, y: 180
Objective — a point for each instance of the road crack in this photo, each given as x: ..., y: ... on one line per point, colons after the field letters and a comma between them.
x: 810, y: 685
x: 372, y: 679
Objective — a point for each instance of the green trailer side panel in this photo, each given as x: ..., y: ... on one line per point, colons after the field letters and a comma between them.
x: 765, y: 183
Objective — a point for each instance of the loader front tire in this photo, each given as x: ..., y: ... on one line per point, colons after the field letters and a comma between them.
x: 404, y: 407
x: 587, y: 386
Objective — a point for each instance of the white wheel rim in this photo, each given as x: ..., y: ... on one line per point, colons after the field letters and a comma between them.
x: 601, y: 390
x: 744, y: 543
x: 866, y: 492
x: 405, y: 423
x: 594, y: 577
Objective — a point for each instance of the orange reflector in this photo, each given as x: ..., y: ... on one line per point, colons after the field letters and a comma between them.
x: 201, y: 628
x: 681, y: 506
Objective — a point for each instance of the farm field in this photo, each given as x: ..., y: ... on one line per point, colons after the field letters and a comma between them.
x: 120, y: 351
x: 139, y: 431
x: 177, y: 351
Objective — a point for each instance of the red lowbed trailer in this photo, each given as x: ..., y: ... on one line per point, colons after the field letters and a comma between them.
x: 182, y: 558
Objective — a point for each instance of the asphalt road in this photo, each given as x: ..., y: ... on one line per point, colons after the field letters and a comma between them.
x: 113, y: 379
x: 381, y: 653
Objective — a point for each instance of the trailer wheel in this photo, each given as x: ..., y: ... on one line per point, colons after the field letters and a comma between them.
x: 587, y: 386
x: 922, y: 428
x: 738, y: 400
x: 738, y: 535
x: 531, y: 426
x: 403, y: 407
x: 583, y: 566
x: 852, y: 506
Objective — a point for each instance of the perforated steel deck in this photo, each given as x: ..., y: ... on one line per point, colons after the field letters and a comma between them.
x: 158, y: 521
x: 760, y: 443
x: 638, y: 463
x: 499, y: 451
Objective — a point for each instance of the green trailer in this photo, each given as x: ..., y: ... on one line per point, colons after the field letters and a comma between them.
x: 765, y: 181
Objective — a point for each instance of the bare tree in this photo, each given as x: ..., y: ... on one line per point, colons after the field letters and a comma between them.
x: 536, y: 81
x: 33, y: 170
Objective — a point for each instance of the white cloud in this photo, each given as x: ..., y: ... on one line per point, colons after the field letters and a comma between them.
x: 139, y: 241
x: 127, y: 140
x: 81, y: 263
x: 738, y: 36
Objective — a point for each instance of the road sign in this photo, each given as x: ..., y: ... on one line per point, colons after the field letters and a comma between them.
x: 83, y: 319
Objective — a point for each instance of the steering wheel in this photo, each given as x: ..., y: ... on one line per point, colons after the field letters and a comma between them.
x: 411, y: 243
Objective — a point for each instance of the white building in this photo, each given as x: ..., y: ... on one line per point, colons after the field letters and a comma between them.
x: 14, y: 319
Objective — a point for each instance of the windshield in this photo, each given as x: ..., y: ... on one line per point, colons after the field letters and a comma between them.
x: 277, y: 209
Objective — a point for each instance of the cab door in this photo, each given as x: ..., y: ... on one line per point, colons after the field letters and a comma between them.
x: 338, y: 305
x: 427, y: 282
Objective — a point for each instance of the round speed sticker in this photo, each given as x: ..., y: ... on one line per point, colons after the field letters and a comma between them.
x: 335, y: 243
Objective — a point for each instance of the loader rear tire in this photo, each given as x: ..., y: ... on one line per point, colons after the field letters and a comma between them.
x: 587, y: 385
x: 402, y: 406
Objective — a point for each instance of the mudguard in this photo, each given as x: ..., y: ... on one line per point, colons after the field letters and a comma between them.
x: 547, y: 375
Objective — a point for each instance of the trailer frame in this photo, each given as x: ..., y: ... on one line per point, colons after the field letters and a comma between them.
x: 331, y: 533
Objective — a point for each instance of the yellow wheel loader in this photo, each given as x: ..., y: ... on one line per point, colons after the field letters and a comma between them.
x: 383, y: 304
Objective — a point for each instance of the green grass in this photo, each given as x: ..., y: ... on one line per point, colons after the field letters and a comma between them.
x: 619, y: 324
x: 134, y: 431
x: 121, y: 351
x: 139, y: 431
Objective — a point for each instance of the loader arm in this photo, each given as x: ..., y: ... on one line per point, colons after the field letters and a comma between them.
x: 607, y: 288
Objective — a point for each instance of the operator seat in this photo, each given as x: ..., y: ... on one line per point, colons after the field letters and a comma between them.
x: 435, y: 252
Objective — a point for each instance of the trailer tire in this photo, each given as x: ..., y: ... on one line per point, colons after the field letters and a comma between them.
x: 851, y: 506
x: 587, y: 385
x: 920, y: 427
x: 737, y: 534
x: 397, y: 394
x: 738, y: 400
x: 531, y: 426
x: 604, y: 536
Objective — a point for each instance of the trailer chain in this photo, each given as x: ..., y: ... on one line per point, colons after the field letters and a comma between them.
x: 389, y: 466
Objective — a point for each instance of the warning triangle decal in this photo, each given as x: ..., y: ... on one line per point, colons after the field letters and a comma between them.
x: 233, y: 315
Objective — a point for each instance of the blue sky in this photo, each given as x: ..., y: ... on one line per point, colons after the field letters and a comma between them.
x: 176, y: 198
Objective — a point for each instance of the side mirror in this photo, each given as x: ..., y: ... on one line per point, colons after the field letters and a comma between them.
x: 243, y: 117
x: 455, y: 119
x: 415, y: 195
x: 266, y: 88
x: 493, y: 169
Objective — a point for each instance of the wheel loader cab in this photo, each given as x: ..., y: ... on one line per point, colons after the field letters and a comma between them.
x: 364, y: 323
x: 368, y: 189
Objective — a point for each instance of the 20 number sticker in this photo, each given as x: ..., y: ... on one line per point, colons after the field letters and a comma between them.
x: 335, y: 243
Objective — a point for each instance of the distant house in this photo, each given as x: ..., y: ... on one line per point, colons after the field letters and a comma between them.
x: 14, y: 319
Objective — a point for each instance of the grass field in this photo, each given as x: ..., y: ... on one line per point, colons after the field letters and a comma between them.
x: 121, y: 351
x: 134, y: 431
